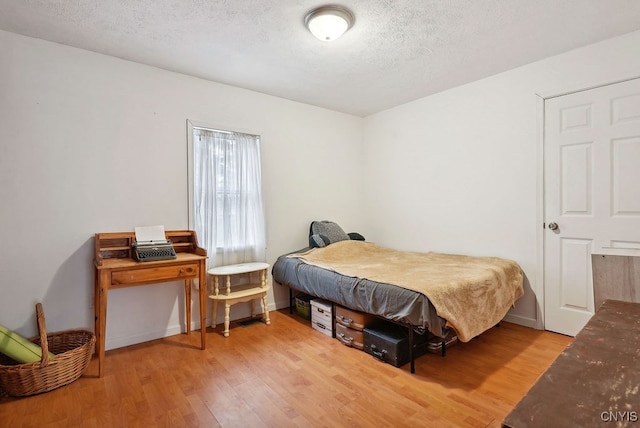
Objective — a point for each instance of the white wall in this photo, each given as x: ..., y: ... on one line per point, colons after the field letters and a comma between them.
x: 76, y: 131
x: 459, y: 171
x: 453, y: 172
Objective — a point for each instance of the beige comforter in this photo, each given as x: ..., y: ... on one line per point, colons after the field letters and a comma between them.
x: 472, y: 293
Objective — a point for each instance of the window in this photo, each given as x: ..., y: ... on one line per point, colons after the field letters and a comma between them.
x: 225, y: 194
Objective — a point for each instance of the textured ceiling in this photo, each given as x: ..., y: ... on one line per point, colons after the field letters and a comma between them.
x: 397, y: 51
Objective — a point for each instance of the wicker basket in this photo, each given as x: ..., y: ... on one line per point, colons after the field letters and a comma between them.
x: 72, y: 349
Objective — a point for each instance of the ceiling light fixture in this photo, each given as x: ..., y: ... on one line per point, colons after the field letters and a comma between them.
x: 328, y: 23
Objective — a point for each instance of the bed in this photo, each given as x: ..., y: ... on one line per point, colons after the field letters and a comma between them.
x: 431, y: 291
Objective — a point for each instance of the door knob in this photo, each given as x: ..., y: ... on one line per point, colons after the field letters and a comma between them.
x: 553, y: 226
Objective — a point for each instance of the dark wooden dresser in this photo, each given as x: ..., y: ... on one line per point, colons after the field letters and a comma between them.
x: 595, y: 381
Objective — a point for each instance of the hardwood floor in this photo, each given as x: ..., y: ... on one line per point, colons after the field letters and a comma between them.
x: 287, y: 374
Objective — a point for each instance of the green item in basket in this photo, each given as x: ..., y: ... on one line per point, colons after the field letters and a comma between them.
x: 19, y: 348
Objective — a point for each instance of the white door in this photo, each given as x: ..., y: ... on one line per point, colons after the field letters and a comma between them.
x: 592, y: 193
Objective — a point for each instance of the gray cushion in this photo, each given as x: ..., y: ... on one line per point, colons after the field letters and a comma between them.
x: 318, y: 240
x: 329, y: 230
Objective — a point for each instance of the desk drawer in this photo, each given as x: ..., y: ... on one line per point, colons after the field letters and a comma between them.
x: 154, y: 274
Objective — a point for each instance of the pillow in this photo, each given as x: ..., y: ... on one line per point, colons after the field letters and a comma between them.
x: 318, y: 241
x: 356, y: 236
x: 329, y: 230
x: 18, y: 348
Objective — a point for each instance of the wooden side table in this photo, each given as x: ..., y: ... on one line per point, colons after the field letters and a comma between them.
x: 239, y: 293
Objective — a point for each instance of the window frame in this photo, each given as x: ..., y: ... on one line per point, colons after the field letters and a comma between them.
x: 194, y: 124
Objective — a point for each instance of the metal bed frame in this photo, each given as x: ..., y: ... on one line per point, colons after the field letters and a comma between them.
x: 409, y: 327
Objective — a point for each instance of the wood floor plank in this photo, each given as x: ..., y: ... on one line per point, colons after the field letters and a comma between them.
x: 289, y: 375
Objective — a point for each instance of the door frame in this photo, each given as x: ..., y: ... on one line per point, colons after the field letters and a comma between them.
x: 541, y: 97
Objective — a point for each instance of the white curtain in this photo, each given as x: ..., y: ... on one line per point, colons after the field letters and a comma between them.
x: 227, y: 196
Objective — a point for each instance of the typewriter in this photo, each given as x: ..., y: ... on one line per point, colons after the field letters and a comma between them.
x: 151, y: 251
x: 151, y: 244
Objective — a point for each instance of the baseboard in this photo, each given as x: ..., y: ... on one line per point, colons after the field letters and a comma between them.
x: 523, y: 321
x: 282, y: 304
x: 238, y: 311
x: 120, y: 342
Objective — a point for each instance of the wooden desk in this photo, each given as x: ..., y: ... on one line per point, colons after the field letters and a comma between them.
x: 115, y: 268
x: 239, y: 293
x: 594, y: 382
